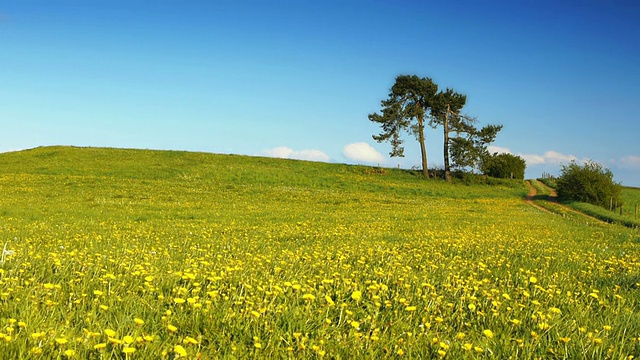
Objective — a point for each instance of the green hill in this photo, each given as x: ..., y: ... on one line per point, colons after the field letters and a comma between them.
x: 120, y: 253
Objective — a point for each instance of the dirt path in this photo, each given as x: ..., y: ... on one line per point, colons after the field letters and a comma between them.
x: 553, y: 197
x: 531, y: 195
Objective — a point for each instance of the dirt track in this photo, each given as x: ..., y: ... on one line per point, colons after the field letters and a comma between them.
x: 553, y: 197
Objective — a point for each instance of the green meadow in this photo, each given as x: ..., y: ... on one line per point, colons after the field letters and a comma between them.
x: 139, y: 254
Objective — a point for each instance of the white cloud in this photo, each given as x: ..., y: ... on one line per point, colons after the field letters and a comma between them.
x: 288, y: 153
x: 361, y: 151
x: 278, y: 152
x: 498, y: 149
x: 554, y: 157
x: 550, y: 157
x: 532, y: 159
x: 630, y: 161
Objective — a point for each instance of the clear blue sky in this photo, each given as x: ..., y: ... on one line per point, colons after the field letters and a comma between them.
x: 298, y: 78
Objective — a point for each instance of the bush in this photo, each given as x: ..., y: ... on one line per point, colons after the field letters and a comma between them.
x: 589, y: 183
x: 504, y: 166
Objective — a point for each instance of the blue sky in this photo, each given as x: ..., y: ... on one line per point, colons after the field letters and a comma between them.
x: 298, y: 78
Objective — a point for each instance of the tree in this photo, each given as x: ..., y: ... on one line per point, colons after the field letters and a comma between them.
x: 590, y: 183
x: 468, y: 151
x: 504, y: 166
x: 408, y: 105
x: 469, y: 145
x: 446, y: 112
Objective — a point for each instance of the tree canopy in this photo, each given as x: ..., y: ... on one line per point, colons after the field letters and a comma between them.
x: 411, y: 102
x: 505, y: 166
x: 590, y: 183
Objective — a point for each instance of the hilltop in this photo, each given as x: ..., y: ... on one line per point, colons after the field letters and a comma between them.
x: 134, y: 164
x: 113, y: 252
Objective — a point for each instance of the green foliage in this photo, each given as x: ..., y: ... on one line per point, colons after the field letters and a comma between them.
x: 549, y: 181
x: 589, y: 183
x: 468, y: 151
x: 409, y: 102
x: 612, y: 217
x: 505, y: 166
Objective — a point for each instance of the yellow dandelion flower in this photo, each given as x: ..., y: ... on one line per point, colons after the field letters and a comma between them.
x: 354, y: 324
x: 488, y: 333
x: 329, y: 300
x: 69, y: 353
x: 179, y: 301
x: 410, y: 308
x: 356, y: 295
x: 100, y: 346
x: 128, y: 339
x: 309, y: 297
x: 190, y: 340
x: 109, y: 332
x: 533, y: 279
x: 172, y: 328
x: 180, y: 351
x: 98, y: 293
x: 565, y: 340
x: 138, y: 321
x: 61, y: 341
x: 129, y: 350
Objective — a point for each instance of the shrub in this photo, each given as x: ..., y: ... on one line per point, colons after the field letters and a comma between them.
x: 504, y: 166
x: 589, y: 183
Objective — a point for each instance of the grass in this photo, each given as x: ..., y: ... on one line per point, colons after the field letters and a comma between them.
x: 631, y: 199
x: 152, y: 254
x: 624, y: 215
x: 542, y: 200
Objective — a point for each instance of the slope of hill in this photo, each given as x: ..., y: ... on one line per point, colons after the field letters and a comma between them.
x: 119, y: 253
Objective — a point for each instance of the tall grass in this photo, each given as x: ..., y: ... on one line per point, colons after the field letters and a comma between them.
x: 150, y: 254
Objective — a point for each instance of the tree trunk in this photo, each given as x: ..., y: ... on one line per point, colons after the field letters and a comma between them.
x: 447, y: 167
x: 423, y: 149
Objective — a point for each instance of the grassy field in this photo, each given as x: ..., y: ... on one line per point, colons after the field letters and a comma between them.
x: 626, y: 214
x: 631, y: 199
x: 125, y: 254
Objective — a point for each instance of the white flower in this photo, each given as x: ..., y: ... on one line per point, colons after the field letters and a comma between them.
x: 5, y: 252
